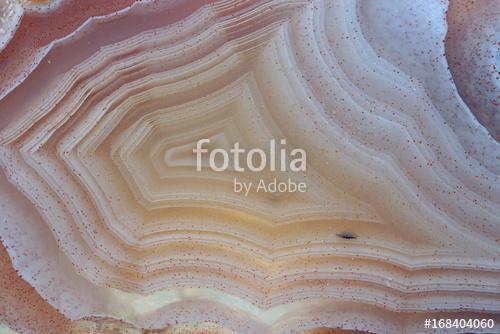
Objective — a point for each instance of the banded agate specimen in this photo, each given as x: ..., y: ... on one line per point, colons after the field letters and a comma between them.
x: 107, y: 226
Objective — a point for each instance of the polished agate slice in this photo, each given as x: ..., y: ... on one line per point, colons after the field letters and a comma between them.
x: 106, y: 224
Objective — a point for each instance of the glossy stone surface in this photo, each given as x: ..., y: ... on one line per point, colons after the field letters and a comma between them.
x: 106, y: 221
